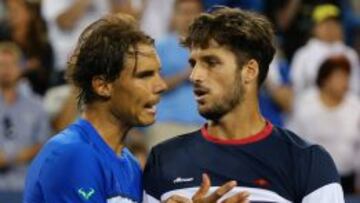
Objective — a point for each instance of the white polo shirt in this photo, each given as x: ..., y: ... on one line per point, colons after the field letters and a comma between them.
x: 336, y: 129
x: 64, y: 41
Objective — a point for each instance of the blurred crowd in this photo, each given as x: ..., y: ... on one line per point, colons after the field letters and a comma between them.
x: 313, y: 85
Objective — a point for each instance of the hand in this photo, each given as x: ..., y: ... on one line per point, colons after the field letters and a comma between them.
x: 177, y: 199
x: 3, y: 162
x: 200, y: 195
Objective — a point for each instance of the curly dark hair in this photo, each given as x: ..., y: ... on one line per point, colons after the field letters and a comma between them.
x: 101, y: 51
x: 329, y: 66
x: 247, y: 34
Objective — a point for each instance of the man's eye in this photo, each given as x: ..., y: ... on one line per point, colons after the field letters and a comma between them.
x: 192, y: 63
x: 212, y: 63
x: 145, y: 74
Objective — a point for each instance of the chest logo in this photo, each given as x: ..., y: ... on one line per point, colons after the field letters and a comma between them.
x: 86, y: 194
x: 261, y: 182
x: 183, y: 180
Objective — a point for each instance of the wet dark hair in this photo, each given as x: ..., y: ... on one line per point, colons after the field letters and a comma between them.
x: 247, y: 34
x: 331, y: 65
x: 101, y: 51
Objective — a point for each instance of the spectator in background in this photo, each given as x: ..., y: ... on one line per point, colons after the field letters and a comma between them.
x: 66, y: 20
x: 156, y: 17
x: 330, y: 116
x: 23, y: 122
x: 276, y: 96
x: 2, y: 10
x: 3, y: 20
x: 156, y: 14
x: 61, y: 106
x: 131, y: 7
x: 293, y: 22
x: 327, y: 40
x: 27, y: 29
x: 286, y: 15
x: 351, y: 17
x: 177, y: 110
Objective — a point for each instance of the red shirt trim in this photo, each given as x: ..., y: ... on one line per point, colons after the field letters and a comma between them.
x: 251, y: 139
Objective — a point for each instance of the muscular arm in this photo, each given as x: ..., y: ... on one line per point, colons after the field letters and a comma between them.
x: 23, y: 157
x: 282, y: 95
x: 27, y: 154
x: 3, y: 162
x: 67, y: 19
x: 125, y: 6
x: 175, y: 80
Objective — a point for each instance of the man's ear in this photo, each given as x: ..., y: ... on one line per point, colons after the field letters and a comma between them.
x: 250, y: 71
x: 101, y: 87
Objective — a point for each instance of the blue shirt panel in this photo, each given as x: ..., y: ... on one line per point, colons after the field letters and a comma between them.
x: 78, y: 166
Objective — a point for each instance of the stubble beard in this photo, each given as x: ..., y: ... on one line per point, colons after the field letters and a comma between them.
x: 222, y: 106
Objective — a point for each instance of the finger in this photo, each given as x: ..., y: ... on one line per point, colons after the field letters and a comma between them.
x: 241, y: 197
x: 170, y: 200
x: 204, y: 188
x: 177, y: 199
x: 221, y: 191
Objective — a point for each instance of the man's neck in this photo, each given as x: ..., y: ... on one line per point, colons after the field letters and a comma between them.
x: 9, y: 95
x: 109, y: 128
x: 243, y: 121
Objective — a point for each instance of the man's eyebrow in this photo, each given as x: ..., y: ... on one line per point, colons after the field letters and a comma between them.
x: 209, y: 56
x: 135, y: 53
x: 140, y: 53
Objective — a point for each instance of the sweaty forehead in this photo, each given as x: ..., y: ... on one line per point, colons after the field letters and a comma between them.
x: 145, y: 56
x: 143, y: 49
x: 213, y: 49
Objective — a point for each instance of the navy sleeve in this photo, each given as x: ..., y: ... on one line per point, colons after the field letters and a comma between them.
x: 72, y: 175
x: 316, y: 170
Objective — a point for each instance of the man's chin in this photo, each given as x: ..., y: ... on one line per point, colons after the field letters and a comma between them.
x: 145, y: 123
x: 210, y: 115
